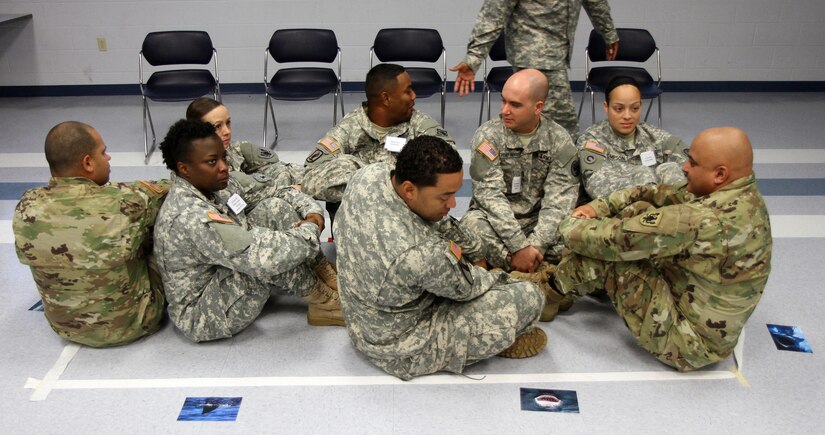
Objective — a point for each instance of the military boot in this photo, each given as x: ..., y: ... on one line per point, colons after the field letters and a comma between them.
x: 547, y: 270
x: 553, y: 301
x: 327, y: 272
x: 324, y: 306
x: 526, y: 345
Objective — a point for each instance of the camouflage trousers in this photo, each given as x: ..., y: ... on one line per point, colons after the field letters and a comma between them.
x: 233, y: 300
x: 559, y: 105
x: 472, y: 331
x: 284, y: 175
x: 644, y: 300
x: 328, y: 181
x: 495, y: 251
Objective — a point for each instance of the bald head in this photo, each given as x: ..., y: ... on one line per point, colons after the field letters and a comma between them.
x: 718, y: 156
x: 66, y: 144
x: 531, y: 82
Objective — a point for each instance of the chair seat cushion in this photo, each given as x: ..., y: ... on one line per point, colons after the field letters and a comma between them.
x: 179, y: 85
x: 302, y: 84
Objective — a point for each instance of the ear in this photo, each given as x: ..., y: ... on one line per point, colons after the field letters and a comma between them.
x: 385, y: 98
x: 721, y: 175
x: 87, y: 165
x: 539, y: 106
x: 605, y: 107
x: 183, y: 169
x: 409, y: 190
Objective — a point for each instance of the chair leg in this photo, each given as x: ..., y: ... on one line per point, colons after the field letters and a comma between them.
x: 481, y: 109
x: 274, y: 123
x: 266, y: 109
x: 335, y: 108
x: 592, y: 107
x: 581, y: 104
x: 341, y: 93
x: 443, y: 103
x: 489, y: 107
x: 660, y: 110
x: 147, y: 151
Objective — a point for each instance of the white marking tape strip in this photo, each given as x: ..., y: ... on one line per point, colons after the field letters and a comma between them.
x: 44, y: 387
x: 440, y: 379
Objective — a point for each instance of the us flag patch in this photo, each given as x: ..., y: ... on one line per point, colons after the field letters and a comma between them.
x: 487, y: 150
x: 594, y: 146
x: 152, y: 186
x: 217, y: 217
x: 455, y: 250
x: 330, y: 144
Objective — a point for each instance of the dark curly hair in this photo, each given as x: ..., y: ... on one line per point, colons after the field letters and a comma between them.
x: 178, y: 141
x: 617, y: 81
x: 423, y: 158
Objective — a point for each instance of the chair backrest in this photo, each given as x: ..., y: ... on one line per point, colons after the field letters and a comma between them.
x: 497, y: 52
x: 408, y: 45
x: 635, y: 45
x: 177, y: 47
x: 303, y: 45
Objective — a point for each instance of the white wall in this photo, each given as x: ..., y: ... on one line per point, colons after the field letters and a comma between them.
x: 703, y: 40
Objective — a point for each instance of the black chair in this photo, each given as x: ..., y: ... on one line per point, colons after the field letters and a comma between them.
x: 302, y: 83
x: 414, y: 45
x: 162, y: 49
x: 494, y: 79
x: 635, y: 46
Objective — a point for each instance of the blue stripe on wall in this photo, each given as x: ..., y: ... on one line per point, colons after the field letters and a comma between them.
x: 768, y: 186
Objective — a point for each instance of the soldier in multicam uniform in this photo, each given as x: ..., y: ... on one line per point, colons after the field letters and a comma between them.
x: 413, y: 302
x: 684, y: 265
x: 538, y: 34
x: 621, y: 152
x: 88, y: 243
x: 525, y: 180
x: 219, y: 257
x: 243, y: 156
x: 372, y: 133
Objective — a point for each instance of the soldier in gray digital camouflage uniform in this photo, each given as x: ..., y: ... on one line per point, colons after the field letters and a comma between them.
x: 89, y: 243
x: 243, y: 156
x: 388, y: 118
x: 538, y: 34
x: 413, y: 301
x: 219, y: 261
x: 684, y: 265
x: 621, y: 152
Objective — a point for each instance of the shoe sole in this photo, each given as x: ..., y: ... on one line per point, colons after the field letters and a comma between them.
x: 530, y: 344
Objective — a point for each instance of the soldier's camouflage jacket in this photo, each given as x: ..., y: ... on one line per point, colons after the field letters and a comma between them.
x: 87, y: 246
x: 249, y: 158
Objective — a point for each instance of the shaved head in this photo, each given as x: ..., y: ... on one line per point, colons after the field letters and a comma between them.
x: 531, y: 81
x: 66, y: 145
x: 718, y: 156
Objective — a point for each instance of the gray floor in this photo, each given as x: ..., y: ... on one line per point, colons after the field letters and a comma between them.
x: 297, y: 379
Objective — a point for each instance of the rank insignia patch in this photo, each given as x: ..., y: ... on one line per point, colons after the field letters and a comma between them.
x: 487, y: 150
x: 651, y: 219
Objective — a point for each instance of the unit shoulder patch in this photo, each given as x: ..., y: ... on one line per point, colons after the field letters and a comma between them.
x: 651, y: 219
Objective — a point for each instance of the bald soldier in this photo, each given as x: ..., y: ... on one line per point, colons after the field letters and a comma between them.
x: 685, y: 264
x: 89, y: 243
x: 525, y: 179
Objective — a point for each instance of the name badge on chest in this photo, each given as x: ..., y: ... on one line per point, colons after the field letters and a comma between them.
x: 515, y: 186
x: 394, y: 144
x: 236, y: 203
x: 648, y: 158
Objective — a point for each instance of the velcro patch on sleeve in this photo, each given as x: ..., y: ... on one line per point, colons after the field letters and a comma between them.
x: 152, y: 186
x: 218, y: 217
x: 651, y: 219
x: 594, y: 146
x: 330, y: 144
x: 488, y: 150
x: 455, y: 249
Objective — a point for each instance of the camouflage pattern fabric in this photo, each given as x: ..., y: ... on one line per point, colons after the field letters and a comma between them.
x: 609, y: 163
x: 219, y: 267
x: 249, y: 158
x: 353, y: 144
x: 684, y: 274
x: 539, y: 34
x: 412, y: 302
x: 520, y: 194
x: 89, y: 249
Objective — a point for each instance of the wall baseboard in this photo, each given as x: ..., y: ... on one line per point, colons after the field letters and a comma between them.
x: 257, y: 88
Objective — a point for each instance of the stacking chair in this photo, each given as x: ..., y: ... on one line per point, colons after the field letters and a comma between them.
x: 302, y: 83
x: 494, y: 79
x: 164, y: 49
x: 415, y: 45
x: 635, y: 46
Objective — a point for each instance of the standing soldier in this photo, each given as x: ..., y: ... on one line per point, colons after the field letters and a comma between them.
x: 89, y: 243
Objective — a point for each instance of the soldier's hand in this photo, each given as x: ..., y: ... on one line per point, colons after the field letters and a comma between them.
x: 314, y: 218
x: 612, y: 51
x: 584, y: 212
x: 465, y: 79
x: 526, y: 260
x: 481, y: 263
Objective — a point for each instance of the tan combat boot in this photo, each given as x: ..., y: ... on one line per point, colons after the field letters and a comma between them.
x: 526, y: 345
x: 553, y: 301
x: 326, y: 271
x: 324, y: 306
